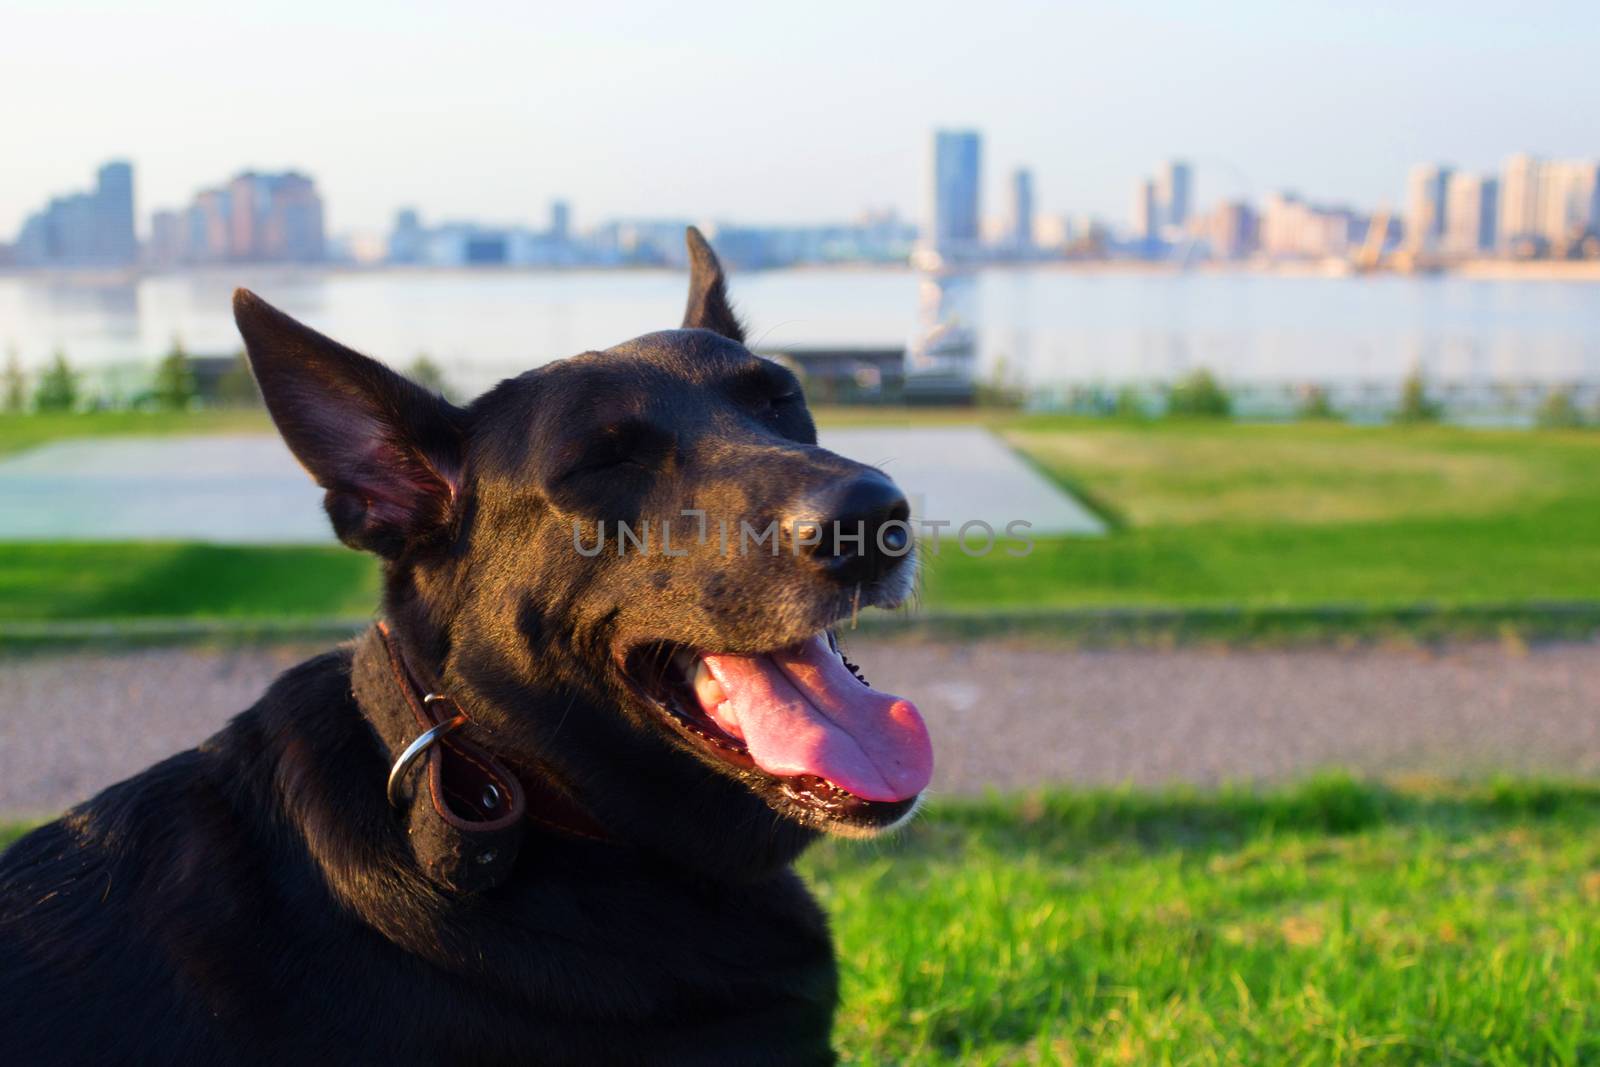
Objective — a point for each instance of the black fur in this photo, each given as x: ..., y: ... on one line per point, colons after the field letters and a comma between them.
x: 254, y: 900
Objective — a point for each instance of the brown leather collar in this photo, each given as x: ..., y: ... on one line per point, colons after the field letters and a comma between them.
x: 467, y: 824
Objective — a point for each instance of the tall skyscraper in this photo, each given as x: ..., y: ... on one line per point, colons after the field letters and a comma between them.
x: 560, y: 220
x: 115, y: 240
x: 89, y: 229
x: 1022, y: 209
x: 1470, y: 213
x: 1425, y: 203
x: 1519, y: 200
x: 1172, y: 194
x: 1146, y: 211
x: 1548, y: 204
x: 957, y: 171
x: 1567, y: 201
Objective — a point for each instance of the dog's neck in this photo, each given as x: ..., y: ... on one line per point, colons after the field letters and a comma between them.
x: 650, y: 798
x: 467, y: 811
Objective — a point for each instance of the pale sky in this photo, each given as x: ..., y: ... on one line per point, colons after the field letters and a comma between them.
x: 756, y: 112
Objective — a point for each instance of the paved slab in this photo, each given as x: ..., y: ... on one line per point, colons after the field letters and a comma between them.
x: 247, y: 489
x: 1003, y: 715
x: 241, y: 489
x: 957, y: 474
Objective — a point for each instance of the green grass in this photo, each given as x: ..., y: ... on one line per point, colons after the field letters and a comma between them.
x: 56, y: 582
x: 1331, y: 923
x: 1318, y: 528
x: 18, y: 432
x: 1335, y: 923
x: 1212, y: 513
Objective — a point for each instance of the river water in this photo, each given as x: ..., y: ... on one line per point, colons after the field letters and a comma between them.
x: 1039, y: 327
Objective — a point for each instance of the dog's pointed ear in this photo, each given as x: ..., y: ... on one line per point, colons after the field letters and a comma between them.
x: 708, y: 307
x: 388, y: 451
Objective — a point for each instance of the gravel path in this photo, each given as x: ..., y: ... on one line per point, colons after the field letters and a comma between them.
x: 1004, y: 715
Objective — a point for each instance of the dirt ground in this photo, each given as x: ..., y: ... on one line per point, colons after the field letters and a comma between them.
x: 1004, y: 715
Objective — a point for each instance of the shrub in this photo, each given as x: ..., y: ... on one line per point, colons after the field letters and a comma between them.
x: 58, y: 386
x: 1198, y: 394
x: 236, y: 388
x: 174, y: 390
x: 1314, y: 404
x: 1558, y: 411
x: 428, y: 374
x: 16, y: 384
x: 1415, y: 403
x: 1129, y: 403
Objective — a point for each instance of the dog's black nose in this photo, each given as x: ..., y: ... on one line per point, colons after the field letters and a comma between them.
x: 858, y: 530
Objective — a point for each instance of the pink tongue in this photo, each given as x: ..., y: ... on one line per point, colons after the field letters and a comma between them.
x: 801, y: 711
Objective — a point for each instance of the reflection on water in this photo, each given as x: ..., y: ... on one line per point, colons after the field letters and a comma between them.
x: 945, y: 343
x: 1039, y: 326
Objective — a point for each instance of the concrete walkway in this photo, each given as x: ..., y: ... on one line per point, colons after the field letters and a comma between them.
x: 1003, y: 715
x: 247, y: 489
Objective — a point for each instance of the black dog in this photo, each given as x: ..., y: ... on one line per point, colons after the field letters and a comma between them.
x: 609, y: 587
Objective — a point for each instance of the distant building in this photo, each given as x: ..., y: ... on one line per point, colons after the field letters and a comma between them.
x: 1425, y: 205
x: 255, y: 218
x: 88, y: 229
x: 1292, y: 228
x: 1173, y: 195
x: 1547, y: 205
x: 848, y: 375
x: 407, y: 238
x: 1232, y: 230
x: 1022, y: 210
x: 560, y: 220
x: 275, y: 218
x: 210, y: 227
x: 1146, y: 212
x: 957, y: 171
x: 1568, y: 208
x: 116, y: 241
x: 168, y: 239
x: 1470, y: 212
x: 1519, y: 201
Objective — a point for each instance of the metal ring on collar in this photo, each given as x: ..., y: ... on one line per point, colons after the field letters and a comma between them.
x: 414, y: 751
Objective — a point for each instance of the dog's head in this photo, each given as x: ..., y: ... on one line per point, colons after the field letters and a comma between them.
x: 626, y: 565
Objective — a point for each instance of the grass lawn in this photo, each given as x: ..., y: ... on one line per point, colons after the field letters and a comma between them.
x: 1333, y: 923
x: 1336, y: 923
x: 1210, y: 513
x: 59, y: 582
x: 1205, y: 515
x: 18, y: 432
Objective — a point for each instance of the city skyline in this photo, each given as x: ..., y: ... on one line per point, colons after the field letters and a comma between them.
x: 480, y: 112
x: 1551, y: 208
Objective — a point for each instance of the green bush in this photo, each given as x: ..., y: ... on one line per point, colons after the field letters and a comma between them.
x: 15, y: 388
x: 236, y: 388
x: 174, y: 389
x: 1314, y: 405
x: 1558, y: 411
x: 428, y: 374
x: 58, y: 386
x: 1130, y: 403
x: 1198, y: 394
x: 1415, y: 403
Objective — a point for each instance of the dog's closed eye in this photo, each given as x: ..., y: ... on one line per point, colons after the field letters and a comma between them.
x: 767, y: 388
x: 633, y: 443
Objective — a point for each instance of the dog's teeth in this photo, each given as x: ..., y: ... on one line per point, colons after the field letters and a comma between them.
x: 686, y: 662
